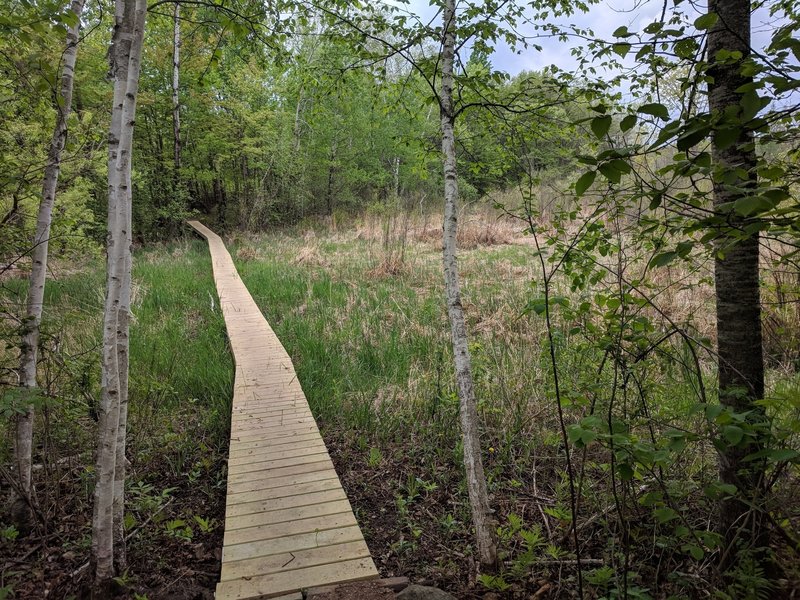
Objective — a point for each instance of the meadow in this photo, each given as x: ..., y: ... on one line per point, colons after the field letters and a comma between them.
x: 360, y: 310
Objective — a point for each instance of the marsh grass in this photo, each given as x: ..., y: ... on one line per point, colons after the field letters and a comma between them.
x: 180, y: 391
x: 371, y: 349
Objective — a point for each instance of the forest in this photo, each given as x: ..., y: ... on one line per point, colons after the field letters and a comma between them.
x: 505, y: 301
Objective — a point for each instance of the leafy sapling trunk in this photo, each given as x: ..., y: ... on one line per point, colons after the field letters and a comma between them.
x: 741, y: 365
x: 38, y: 277
x: 473, y: 463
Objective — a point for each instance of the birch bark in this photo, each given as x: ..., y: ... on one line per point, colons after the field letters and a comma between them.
x: 109, y: 501
x: 176, y: 79
x: 38, y: 277
x: 473, y: 463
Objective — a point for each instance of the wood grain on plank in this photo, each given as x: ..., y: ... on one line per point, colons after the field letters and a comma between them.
x: 274, y: 584
x: 289, y: 524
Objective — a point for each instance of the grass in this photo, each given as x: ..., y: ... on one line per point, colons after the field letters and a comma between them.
x: 370, y: 343
x: 371, y: 348
x: 180, y: 390
x: 364, y: 343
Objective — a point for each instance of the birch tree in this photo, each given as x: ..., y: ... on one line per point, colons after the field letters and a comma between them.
x: 125, y: 55
x: 479, y: 24
x: 473, y: 463
x: 38, y: 276
x: 176, y: 80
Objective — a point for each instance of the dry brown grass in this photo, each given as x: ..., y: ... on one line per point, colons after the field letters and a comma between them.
x: 389, y: 267
x: 246, y: 253
x: 473, y: 232
x: 309, y: 255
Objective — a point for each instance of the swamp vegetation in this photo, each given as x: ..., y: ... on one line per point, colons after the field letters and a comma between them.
x: 581, y: 282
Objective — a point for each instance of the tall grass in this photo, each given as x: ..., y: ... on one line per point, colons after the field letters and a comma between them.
x: 181, y: 369
x: 371, y: 348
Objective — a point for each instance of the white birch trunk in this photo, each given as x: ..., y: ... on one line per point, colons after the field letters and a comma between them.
x: 296, y: 128
x: 123, y: 327
x: 109, y: 501
x: 176, y: 80
x: 30, y: 340
x: 473, y: 463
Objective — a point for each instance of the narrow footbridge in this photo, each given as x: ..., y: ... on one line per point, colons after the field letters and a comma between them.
x: 288, y: 523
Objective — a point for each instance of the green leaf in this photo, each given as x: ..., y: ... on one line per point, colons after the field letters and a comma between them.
x: 717, y: 490
x: 703, y: 160
x: 733, y: 434
x: 655, y: 109
x: 725, y: 138
x: 610, y: 173
x: 664, y: 515
x: 621, y: 32
x: 664, y: 258
x: 537, y: 305
x: 696, y: 551
x: 623, y: 166
x: 771, y: 172
x: 585, y: 182
x: 782, y: 455
x: 752, y: 205
x: 683, y: 249
x: 621, y: 48
x: 628, y: 122
x: 601, y: 125
x: 626, y: 472
x: 752, y: 104
x: 692, y: 138
x: 706, y: 21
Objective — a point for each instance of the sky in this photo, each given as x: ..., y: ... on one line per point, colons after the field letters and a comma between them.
x: 603, y: 18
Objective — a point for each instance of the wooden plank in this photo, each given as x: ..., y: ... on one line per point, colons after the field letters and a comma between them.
x: 268, y: 483
x: 283, y: 422
x: 299, y: 559
x: 273, y: 584
x: 265, y: 411
x: 288, y: 461
x: 290, y: 452
x: 291, y: 543
x: 271, y: 531
x: 287, y: 515
x: 289, y: 524
x: 245, y: 431
x: 289, y: 431
x: 314, y: 462
x: 247, y: 456
x: 283, y: 491
x: 304, y: 498
x: 241, y: 446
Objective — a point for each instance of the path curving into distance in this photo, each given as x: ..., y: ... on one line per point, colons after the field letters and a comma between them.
x: 288, y: 523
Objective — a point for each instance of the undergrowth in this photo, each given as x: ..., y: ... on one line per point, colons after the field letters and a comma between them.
x: 180, y: 389
x: 371, y: 349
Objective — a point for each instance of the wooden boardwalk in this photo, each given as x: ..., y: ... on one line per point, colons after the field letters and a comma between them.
x: 288, y: 523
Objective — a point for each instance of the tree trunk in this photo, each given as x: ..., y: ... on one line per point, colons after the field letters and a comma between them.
x: 741, y: 364
x: 30, y: 340
x: 296, y: 133
x: 126, y: 54
x: 176, y: 105
x: 476, y: 482
x: 123, y: 328
x: 331, y: 175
